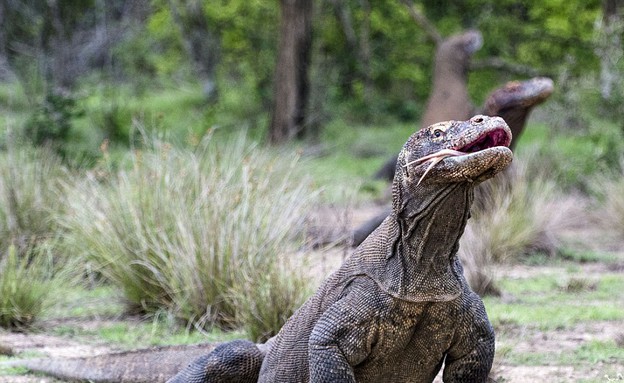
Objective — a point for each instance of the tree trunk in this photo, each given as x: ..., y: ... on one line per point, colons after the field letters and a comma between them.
x: 291, y: 72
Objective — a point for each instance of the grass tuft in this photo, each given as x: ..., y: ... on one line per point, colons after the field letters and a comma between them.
x: 28, y: 197
x: 28, y: 202
x: 24, y: 288
x: 513, y: 217
x: 185, y: 231
x: 610, y: 188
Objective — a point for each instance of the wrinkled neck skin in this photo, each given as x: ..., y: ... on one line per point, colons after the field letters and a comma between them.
x: 431, y: 223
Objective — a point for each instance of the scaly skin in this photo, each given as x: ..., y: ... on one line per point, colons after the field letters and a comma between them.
x: 399, y: 307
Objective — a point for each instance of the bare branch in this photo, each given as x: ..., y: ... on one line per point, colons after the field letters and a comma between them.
x: 424, y: 23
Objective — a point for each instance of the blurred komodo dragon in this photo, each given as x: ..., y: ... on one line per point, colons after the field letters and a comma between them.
x: 449, y: 99
x: 399, y: 308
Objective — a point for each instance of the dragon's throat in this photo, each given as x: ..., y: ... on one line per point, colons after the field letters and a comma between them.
x: 431, y: 240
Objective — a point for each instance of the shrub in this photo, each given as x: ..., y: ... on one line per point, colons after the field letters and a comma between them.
x: 51, y: 121
x: 28, y: 203
x: 609, y: 188
x: 25, y: 284
x: 513, y: 216
x: 186, y: 231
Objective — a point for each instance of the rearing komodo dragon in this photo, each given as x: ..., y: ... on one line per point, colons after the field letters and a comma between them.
x: 399, y: 308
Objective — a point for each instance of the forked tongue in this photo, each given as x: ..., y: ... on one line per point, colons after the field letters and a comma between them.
x: 434, y: 158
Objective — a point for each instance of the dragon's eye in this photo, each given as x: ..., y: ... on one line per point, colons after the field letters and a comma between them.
x: 437, y: 133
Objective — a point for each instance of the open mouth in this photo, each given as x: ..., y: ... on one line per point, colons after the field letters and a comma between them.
x: 496, y: 137
x: 493, y: 138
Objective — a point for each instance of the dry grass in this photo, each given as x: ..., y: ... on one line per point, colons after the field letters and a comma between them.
x: 610, y: 189
x: 202, y: 234
x: 28, y: 201
x: 513, y: 216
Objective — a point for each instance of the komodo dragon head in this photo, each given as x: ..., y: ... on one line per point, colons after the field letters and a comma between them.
x: 448, y: 153
x: 514, y: 101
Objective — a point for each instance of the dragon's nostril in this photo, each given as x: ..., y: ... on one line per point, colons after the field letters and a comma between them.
x: 477, y: 119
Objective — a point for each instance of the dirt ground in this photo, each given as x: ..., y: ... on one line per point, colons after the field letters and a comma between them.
x: 519, y: 339
x: 522, y: 340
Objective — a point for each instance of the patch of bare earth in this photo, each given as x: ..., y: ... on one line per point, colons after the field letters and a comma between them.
x: 24, y: 345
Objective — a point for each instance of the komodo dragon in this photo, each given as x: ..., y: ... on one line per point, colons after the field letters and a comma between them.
x: 413, y: 281
x: 513, y: 102
x: 399, y: 307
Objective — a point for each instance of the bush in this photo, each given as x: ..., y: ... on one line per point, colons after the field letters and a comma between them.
x: 512, y: 217
x: 51, y: 121
x: 28, y: 203
x: 25, y: 284
x: 186, y: 231
x: 609, y: 188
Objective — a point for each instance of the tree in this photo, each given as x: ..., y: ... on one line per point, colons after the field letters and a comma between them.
x: 291, y: 72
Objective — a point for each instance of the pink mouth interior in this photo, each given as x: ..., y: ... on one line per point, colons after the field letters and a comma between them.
x: 497, y: 137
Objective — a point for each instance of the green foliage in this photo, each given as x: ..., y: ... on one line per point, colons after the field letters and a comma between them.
x: 377, y: 63
x: 183, y: 231
x: 52, y: 120
x: 572, y: 156
x: 24, y: 287
x: 28, y: 198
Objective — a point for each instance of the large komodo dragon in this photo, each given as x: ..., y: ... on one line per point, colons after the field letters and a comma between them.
x: 399, y: 308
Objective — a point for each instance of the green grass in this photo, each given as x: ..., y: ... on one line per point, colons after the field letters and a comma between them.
x: 349, y: 157
x: 588, y: 353
x: 18, y: 371
x: 157, y: 333
x: 78, y: 301
x: 11, y: 370
x: 547, y: 302
x: 573, y: 158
